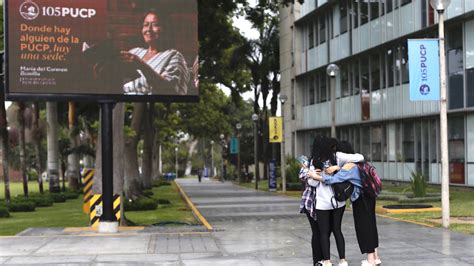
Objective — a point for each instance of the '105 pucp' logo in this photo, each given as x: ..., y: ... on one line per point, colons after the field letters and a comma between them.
x: 29, y: 10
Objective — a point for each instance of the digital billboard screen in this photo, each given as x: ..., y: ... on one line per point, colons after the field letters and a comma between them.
x: 120, y: 50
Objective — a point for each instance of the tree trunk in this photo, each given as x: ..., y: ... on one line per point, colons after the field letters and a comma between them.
x: 148, y: 137
x: 53, y: 147
x: 72, y: 172
x: 21, y: 125
x: 133, y: 184
x: 265, y: 144
x: 189, y: 163
x: 156, y: 164
x: 37, y: 145
x: 118, y: 150
x: 4, y: 143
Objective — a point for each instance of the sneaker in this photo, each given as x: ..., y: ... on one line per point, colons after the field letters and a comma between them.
x: 378, y: 261
x: 343, y: 264
x: 326, y: 264
x: 366, y: 263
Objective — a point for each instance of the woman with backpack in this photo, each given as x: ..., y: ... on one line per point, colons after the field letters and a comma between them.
x: 363, y: 205
x: 329, y: 211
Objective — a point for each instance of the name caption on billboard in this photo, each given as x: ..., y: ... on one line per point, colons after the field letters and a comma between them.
x: 56, y: 11
x: 51, y: 43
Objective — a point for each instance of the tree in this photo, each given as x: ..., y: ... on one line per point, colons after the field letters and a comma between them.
x: 21, y: 124
x: 72, y: 172
x: 36, y: 137
x: 53, y: 146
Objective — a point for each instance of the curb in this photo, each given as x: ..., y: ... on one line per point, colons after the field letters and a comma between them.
x: 191, y: 205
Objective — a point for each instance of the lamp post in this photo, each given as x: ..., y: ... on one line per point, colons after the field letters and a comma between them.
x: 255, y: 149
x: 332, y: 70
x: 238, y: 126
x: 212, y: 158
x: 440, y: 6
x: 283, y: 99
x: 223, y: 148
x: 176, y: 160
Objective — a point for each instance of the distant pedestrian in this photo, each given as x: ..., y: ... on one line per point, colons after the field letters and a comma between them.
x: 199, y: 175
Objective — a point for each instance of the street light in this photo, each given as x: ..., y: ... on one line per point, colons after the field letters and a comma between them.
x: 238, y: 126
x: 440, y: 6
x: 333, y: 70
x: 283, y: 99
x: 212, y: 158
x: 176, y: 160
x: 255, y: 149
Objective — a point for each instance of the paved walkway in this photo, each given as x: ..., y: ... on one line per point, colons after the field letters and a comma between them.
x: 250, y: 228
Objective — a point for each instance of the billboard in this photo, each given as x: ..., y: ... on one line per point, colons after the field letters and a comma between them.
x: 120, y: 50
x: 275, y: 129
x: 423, y: 62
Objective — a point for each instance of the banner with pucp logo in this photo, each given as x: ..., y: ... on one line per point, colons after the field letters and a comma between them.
x: 423, y: 62
x: 123, y: 50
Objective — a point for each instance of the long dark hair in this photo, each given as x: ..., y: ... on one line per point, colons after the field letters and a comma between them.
x: 345, y: 147
x: 324, y: 149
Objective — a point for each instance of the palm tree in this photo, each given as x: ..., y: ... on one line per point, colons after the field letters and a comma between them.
x: 4, y: 136
x: 37, y: 144
x: 53, y: 146
x: 21, y: 124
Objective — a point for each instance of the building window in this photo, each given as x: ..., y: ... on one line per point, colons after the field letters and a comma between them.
x: 470, y: 86
x: 382, y: 7
x: 377, y: 135
x: 322, y: 30
x: 364, y: 12
x: 311, y: 91
x: 365, y: 88
x: 455, y: 67
x: 323, y: 88
x: 398, y: 65
x: 310, y: 36
x: 374, y: 9
x: 405, y: 69
x: 344, y: 82
x: 405, y: 2
x: 456, y: 149
x: 375, y: 72
x: 355, y: 78
x: 408, y: 142
x: 355, y: 13
x: 390, y: 67
x: 365, y: 142
x: 389, y: 5
x: 343, y: 16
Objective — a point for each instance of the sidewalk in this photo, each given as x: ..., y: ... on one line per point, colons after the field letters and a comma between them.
x: 249, y: 228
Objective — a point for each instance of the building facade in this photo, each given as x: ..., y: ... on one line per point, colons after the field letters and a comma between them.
x: 367, y: 39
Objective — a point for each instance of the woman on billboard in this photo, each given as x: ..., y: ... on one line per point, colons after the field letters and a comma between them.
x: 157, y: 69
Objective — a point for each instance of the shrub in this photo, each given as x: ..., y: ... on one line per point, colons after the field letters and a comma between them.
x: 140, y: 204
x: 58, y: 197
x: 420, y: 200
x: 42, y: 201
x: 21, y: 205
x: 159, y: 183
x: 70, y: 194
x: 163, y: 201
x: 292, y: 170
x: 418, y: 184
x: 4, y: 213
x: 147, y: 193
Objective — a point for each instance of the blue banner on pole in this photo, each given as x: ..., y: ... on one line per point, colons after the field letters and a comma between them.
x: 272, y: 182
x: 234, y: 146
x: 423, y: 62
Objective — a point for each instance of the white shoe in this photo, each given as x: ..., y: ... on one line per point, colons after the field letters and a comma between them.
x: 366, y: 263
x: 326, y: 263
x: 343, y: 264
x: 378, y: 261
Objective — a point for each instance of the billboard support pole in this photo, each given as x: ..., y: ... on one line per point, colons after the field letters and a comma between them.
x: 108, y: 222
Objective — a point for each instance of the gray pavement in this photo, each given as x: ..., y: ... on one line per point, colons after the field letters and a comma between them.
x: 250, y: 228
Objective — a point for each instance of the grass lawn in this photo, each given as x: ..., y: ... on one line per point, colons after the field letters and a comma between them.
x: 461, y: 205
x: 69, y: 213
x: 177, y: 212
x: 16, y: 188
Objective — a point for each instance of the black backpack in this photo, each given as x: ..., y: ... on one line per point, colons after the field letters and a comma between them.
x: 342, y: 191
